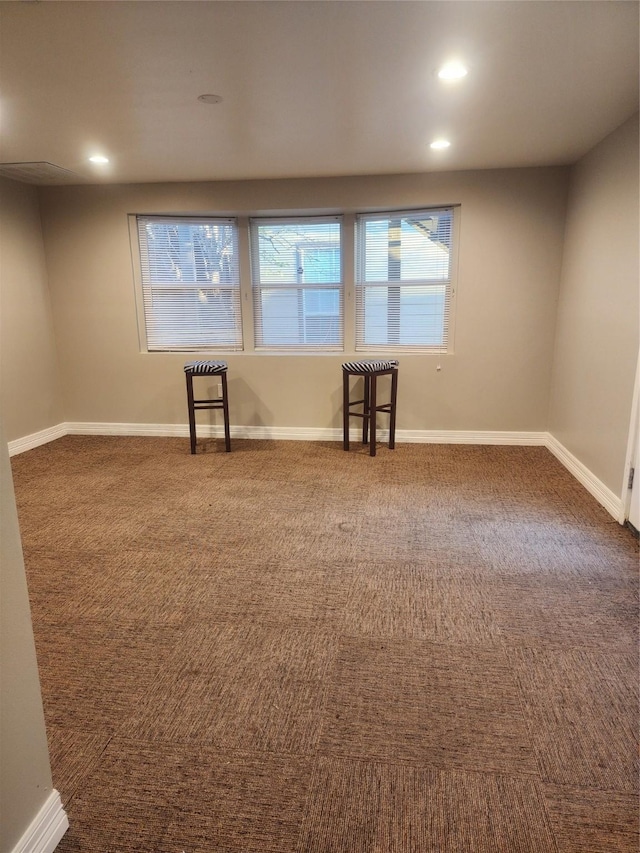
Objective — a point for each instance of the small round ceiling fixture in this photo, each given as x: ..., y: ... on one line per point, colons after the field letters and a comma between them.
x: 440, y: 144
x: 453, y: 71
x: 210, y: 99
x: 99, y: 158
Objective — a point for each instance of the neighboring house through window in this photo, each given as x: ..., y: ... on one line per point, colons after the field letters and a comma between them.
x: 191, y: 294
x: 403, y: 279
x: 296, y: 271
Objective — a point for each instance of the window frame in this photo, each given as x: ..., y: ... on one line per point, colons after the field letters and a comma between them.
x: 450, y: 283
x: 257, y: 286
x: 144, y: 286
x: 347, y: 287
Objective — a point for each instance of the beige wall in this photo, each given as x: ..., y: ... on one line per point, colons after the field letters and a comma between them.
x: 25, y: 776
x: 498, y: 378
x: 597, y: 336
x: 29, y: 383
x: 30, y: 401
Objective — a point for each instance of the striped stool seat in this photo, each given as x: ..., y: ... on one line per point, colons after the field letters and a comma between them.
x: 369, y: 365
x: 370, y: 369
x: 207, y: 368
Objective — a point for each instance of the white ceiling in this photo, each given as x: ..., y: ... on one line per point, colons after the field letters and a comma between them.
x: 310, y: 88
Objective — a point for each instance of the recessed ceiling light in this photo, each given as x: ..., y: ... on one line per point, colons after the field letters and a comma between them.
x: 440, y: 144
x: 99, y: 158
x: 210, y: 99
x: 452, y: 71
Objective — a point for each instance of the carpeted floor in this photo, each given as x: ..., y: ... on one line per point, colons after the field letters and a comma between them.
x: 292, y: 649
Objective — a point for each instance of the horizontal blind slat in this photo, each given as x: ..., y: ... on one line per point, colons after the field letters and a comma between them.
x: 190, y: 283
x: 403, y: 279
x: 296, y: 272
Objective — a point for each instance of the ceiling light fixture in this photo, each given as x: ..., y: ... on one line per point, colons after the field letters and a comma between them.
x: 440, y: 144
x: 99, y: 158
x: 210, y: 99
x: 452, y: 71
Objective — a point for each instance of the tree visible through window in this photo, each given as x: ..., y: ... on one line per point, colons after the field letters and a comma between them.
x: 297, y: 283
x: 190, y: 283
x: 403, y: 272
x: 191, y: 292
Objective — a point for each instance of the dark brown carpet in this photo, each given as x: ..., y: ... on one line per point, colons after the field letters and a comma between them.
x: 292, y: 649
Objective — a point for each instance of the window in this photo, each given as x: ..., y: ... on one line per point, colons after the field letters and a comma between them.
x: 403, y: 279
x: 296, y: 270
x: 191, y: 294
x: 190, y: 283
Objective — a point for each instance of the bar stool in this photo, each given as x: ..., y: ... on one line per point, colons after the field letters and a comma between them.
x: 370, y: 370
x: 207, y: 368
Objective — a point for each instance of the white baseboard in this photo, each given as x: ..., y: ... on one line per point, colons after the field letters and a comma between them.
x: 47, y: 828
x: 28, y: 442
x: 310, y: 433
x: 611, y: 502
x: 152, y: 430
x: 432, y: 436
x: 205, y: 431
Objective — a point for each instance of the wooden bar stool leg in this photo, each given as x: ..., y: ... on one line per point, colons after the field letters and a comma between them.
x: 372, y: 413
x: 225, y: 410
x: 345, y: 410
x: 392, y: 416
x: 192, y: 412
x: 365, y: 410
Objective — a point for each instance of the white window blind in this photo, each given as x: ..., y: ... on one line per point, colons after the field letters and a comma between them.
x: 296, y: 270
x: 403, y: 280
x: 190, y: 283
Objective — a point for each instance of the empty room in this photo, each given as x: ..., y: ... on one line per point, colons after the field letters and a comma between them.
x: 319, y: 353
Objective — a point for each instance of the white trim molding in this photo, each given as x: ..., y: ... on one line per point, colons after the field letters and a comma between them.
x: 612, y: 503
x: 46, y: 829
x: 432, y: 436
x: 28, y: 442
x: 311, y: 433
x: 308, y: 433
x: 151, y: 430
x: 205, y: 431
x: 634, y: 438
